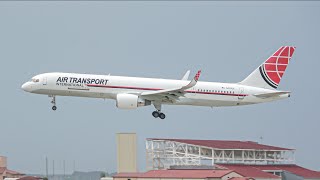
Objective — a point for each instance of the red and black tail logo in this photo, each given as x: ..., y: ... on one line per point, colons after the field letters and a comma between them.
x: 196, y: 77
x: 273, y: 69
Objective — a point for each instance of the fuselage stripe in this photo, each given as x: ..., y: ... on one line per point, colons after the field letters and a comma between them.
x: 156, y: 89
x: 123, y: 87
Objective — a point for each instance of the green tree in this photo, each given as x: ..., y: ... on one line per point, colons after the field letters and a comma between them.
x: 103, y: 175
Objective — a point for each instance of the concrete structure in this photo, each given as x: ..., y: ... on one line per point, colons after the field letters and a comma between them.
x: 126, y: 152
x: 5, y: 172
x: 3, y: 161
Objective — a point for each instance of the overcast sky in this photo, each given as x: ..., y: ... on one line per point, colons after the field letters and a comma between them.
x: 227, y: 40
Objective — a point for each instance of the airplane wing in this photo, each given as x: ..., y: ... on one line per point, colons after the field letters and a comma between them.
x: 186, y: 76
x: 170, y: 94
x: 273, y: 94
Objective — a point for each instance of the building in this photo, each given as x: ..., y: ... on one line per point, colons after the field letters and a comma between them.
x: 163, y: 153
x: 277, y: 170
x: 180, y: 174
x: 5, y: 172
x: 126, y: 152
x: 247, y: 158
x: 30, y: 178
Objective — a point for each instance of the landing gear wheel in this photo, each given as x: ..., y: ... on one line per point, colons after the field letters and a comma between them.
x: 155, y: 114
x: 53, y: 102
x: 162, y: 116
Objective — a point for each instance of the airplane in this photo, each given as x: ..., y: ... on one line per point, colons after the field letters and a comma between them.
x: 133, y: 92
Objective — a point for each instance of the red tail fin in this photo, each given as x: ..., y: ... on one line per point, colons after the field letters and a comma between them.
x: 269, y: 74
x: 273, y: 69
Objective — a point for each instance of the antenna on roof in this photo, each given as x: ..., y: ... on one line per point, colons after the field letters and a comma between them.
x: 47, y: 167
x: 261, y: 139
x: 52, y: 168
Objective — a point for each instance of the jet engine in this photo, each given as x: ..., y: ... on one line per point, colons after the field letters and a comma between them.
x: 131, y: 101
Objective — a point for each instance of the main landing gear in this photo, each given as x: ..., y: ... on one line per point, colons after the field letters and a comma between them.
x: 158, y: 112
x: 53, y: 102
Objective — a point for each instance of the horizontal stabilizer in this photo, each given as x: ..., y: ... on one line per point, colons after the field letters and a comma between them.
x: 271, y: 95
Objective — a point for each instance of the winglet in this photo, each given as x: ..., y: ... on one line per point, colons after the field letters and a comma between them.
x: 186, y: 76
x: 193, y: 82
x: 196, y: 77
x: 178, y: 91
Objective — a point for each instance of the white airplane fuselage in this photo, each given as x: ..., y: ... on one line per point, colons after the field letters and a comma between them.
x: 133, y: 92
x: 210, y: 94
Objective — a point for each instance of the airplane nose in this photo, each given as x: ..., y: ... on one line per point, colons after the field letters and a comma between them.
x: 26, y: 87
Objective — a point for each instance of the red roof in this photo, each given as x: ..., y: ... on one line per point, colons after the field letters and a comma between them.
x: 249, y: 171
x: 2, y: 169
x: 222, y: 144
x: 183, y: 173
x: 298, y: 170
x: 8, y: 171
x: 13, y: 172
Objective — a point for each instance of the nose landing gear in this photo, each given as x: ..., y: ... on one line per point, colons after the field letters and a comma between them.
x: 53, y: 102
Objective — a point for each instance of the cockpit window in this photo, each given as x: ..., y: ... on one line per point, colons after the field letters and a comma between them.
x: 34, y: 80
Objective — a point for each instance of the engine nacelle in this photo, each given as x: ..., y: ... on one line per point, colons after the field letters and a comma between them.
x: 130, y: 101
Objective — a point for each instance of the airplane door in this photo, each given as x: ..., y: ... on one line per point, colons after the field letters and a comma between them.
x: 241, y: 93
x: 44, y: 81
